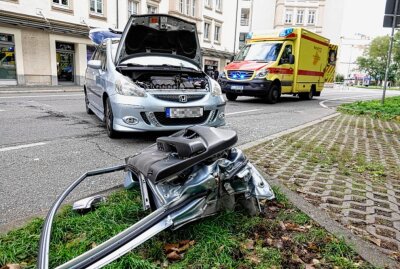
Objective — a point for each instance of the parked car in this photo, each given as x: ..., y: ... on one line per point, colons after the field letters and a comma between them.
x: 151, y: 79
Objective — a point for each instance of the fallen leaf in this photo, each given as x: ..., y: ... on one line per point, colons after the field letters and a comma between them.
x: 294, y: 227
x: 283, y: 226
x: 315, y: 261
x: 296, y: 259
x: 376, y: 241
x: 171, y: 247
x: 173, y: 256
x: 183, y: 248
x: 278, y: 244
x: 93, y: 245
x: 249, y: 244
x: 12, y: 266
x: 253, y: 258
x: 184, y: 242
x: 312, y: 246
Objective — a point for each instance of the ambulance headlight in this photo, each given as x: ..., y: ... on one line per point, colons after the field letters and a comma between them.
x: 261, y: 73
x: 223, y: 74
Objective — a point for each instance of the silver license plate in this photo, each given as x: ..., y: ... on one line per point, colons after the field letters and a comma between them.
x: 184, y: 112
x: 236, y: 87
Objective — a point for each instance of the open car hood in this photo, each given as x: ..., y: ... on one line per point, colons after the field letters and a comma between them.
x: 159, y: 34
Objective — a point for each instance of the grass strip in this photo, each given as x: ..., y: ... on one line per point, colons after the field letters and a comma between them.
x: 389, y: 111
x: 281, y: 237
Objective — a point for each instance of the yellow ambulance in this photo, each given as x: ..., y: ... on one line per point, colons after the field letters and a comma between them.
x: 290, y: 61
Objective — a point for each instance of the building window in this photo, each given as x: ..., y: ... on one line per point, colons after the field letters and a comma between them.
x: 217, y: 33
x: 187, y: 7
x: 242, y: 39
x: 133, y: 7
x: 300, y: 16
x: 311, y: 17
x: 151, y: 9
x: 218, y: 5
x: 207, y: 31
x: 96, y: 6
x: 288, y: 16
x: 208, y: 3
x: 63, y: 3
x: 244, y: 17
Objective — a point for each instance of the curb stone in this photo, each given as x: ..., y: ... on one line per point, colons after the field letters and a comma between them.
x: 368, y: 251
x: 11, y: 90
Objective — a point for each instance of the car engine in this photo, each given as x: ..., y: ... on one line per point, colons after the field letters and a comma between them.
x: 170, y: 80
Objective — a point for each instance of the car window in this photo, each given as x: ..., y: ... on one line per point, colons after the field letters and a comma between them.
x: 287, y: 51
x: 95, y: 55
x: 103, y: 58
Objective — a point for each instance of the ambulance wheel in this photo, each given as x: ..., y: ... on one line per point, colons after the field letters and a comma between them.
x: 231, y: 96
x: 273, y: 94
x: 306, y: 95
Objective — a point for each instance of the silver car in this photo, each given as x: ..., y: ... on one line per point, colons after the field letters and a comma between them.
x: 150, y: 79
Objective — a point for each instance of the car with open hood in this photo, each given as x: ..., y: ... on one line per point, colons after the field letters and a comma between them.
x: 149, y: 78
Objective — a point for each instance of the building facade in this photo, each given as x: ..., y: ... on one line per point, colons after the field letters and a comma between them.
x: 48, y: 44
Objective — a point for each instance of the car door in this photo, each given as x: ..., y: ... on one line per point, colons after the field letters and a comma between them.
x: 287, y: 68
x: 90, y: 80
x: 100, y: 75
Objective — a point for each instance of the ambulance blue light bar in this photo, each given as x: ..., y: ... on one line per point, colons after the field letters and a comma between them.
x: 286, y: 32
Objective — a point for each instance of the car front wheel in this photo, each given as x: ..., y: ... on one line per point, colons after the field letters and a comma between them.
x: 109, y: 119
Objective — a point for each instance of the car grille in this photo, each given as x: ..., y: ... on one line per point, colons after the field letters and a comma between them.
x: 175, y: 97
x: 240, y: 74
x: 163, y: 120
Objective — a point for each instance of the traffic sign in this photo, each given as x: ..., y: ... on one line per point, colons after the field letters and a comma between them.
x: 391, y: 13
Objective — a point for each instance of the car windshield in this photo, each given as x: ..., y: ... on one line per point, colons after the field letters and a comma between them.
x: 264, y: 52
x: 160, y: 61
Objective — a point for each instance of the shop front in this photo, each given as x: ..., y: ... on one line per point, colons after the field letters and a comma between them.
x: 8, y: 73
x: 65, y: 54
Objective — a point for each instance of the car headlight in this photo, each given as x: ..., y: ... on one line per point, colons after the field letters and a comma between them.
x: 125, y: 87
x: 261, y: 73
x: 215, y: 88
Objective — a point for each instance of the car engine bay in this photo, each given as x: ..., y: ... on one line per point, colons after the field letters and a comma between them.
x: 168, y: 80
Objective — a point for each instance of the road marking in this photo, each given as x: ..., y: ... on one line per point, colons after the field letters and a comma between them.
x: 2, y: 110
x: 22, y: 146
x: 39, y: 96
x: 241, y: 112
x: 343, y: 98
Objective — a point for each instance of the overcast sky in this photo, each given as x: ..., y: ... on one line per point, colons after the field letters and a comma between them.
x: 365, y: 17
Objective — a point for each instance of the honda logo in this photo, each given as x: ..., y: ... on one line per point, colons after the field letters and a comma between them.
x: 182, y: 98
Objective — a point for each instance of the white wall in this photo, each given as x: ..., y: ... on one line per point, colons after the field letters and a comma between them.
x: 79, y: 8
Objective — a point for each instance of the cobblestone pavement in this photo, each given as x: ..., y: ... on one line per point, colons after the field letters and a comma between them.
x: 348, y: 165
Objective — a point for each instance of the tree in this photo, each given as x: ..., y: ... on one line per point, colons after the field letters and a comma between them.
x: 374, y: 59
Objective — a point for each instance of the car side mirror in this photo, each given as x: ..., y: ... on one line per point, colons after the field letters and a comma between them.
x: 95, y: 64
x: 291, y: 59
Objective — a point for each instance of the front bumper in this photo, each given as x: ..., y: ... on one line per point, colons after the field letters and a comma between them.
x: 254, y: 87
x: 150, y: 113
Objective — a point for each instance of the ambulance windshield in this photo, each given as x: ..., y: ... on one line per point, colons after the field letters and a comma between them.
x: 261, y: 52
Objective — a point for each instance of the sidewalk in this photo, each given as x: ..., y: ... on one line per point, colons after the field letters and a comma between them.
x: 40, y: 89
x: 347, y: 165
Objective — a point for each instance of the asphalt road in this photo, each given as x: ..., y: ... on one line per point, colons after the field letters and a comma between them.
x: 47, y: 141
